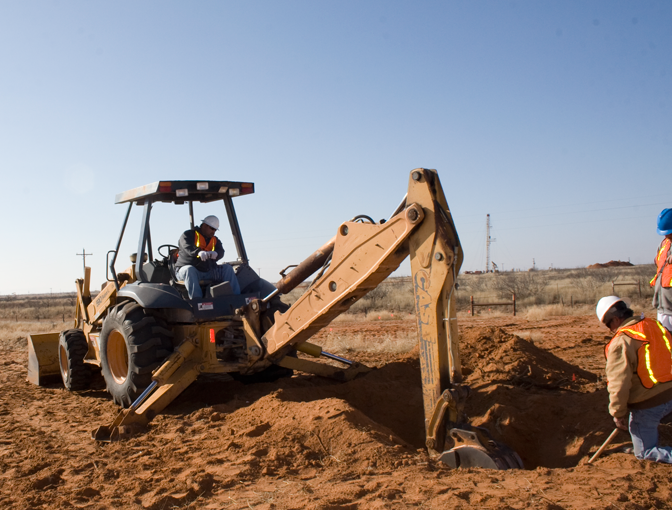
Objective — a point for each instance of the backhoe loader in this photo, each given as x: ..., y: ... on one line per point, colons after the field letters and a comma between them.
x: 151, y: 341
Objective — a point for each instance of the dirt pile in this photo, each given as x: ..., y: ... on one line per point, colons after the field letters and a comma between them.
x: 491, y: 355
x: 611, y: 263
x: 272, y: 437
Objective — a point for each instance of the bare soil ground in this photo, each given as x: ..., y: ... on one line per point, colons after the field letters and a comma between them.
x: 306, y: 442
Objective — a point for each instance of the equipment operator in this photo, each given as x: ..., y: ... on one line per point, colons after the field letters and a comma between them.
x: 199, y: 249
x: 662, y: 282
x: 639, y: 378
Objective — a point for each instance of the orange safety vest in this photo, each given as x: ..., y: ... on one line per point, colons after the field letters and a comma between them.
x: 200, y: 242
x: 663, y: 266
x: 654, y: 357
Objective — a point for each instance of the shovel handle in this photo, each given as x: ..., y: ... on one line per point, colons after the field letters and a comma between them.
x: 604, y: 445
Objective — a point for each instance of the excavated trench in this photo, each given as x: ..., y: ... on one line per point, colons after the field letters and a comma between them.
x: 541, y: 406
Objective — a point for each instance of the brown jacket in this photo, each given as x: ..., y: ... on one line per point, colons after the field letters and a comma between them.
x: 626, y: 391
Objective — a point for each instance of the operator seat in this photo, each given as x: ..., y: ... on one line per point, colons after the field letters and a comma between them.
x: 176, y: 282
x: 220, y: 289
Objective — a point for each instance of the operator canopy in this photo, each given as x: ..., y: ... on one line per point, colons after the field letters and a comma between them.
x: 185, y: 191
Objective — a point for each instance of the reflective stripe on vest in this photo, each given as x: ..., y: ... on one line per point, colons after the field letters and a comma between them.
x: 200, y: 242
x: 662, y: 267
x: 654, y: 357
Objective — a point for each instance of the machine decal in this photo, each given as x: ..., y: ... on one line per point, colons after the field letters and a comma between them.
x: 423, y: 303
x: 205, y: 306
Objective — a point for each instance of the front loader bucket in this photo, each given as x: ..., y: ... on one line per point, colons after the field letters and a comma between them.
x: 43, y: 365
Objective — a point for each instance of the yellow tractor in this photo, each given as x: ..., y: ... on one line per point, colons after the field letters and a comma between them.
x: 151, y: 341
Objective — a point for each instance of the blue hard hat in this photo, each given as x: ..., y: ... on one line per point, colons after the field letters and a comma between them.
x: 665, y: 222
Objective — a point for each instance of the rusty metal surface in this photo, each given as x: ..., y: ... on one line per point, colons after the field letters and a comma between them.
x: 306, y: 268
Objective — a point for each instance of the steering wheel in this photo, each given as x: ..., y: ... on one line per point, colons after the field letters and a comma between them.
x: 170, y: 247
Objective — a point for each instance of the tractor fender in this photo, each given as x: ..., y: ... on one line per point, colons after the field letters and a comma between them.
x: 154, y: 295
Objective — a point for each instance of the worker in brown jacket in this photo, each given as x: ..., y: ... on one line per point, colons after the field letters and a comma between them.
x: 639, y: 376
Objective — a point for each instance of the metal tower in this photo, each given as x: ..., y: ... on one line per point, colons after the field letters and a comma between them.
x: 488, y: 240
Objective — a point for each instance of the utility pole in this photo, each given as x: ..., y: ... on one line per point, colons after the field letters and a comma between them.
x: 83, y: 255
x: 488, y: 240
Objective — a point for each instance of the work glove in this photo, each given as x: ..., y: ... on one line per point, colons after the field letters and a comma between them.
x: 622, y: 422
x: 213, y: 255
x: 203, y: 255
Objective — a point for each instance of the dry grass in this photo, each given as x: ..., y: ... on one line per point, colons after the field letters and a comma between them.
x: 37, y: 307
x: 374, y: 315
x: 14, y: 335
x: 560, y: 286
x: 484, y: 313
x: 391, y: 343
x: 535, y: 313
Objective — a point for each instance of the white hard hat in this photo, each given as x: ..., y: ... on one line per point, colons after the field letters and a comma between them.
x: 211, y: 221
x: 604, y: 304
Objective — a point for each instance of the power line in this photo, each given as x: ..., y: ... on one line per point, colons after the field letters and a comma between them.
x: 566, y: 205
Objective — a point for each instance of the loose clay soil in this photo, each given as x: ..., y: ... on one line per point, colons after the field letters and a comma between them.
x: 306, y: 442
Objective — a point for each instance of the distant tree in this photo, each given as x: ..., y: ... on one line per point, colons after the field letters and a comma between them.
x: 523, y: 285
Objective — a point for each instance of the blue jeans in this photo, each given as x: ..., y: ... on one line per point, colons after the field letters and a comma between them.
x: 665, y: 320
x: 644, y: 433
x: 220, y: 273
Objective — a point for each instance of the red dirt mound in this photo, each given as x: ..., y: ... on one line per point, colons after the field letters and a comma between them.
x: 493, y: 355
x: 611, y: 263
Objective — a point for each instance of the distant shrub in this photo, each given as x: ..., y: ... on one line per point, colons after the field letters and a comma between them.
x: 523, y: 285
x: 393, y: 295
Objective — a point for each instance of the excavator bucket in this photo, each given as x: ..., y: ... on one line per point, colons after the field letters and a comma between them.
x: 43, y: 365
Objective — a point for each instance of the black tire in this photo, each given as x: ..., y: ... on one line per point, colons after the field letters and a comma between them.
x: 72, y: 348
x: 133, y: 342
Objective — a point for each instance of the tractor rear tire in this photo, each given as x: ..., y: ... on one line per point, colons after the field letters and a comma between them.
x: 72, y: 348
x: 133, y: 342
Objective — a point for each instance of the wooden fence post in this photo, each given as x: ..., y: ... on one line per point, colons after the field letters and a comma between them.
x: 471, y: 298
x: 514, y: 304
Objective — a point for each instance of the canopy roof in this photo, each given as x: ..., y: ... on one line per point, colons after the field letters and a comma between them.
x: 185, y: 191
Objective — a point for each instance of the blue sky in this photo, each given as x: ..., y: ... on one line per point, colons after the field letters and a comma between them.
x: 553, y: 117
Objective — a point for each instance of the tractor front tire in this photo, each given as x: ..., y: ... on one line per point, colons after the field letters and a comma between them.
x: 72, y: 348
x: 133, y: 342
